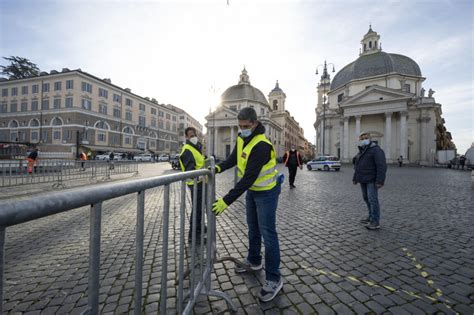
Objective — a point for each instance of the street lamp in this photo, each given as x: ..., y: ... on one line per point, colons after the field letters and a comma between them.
x: 325, y: 79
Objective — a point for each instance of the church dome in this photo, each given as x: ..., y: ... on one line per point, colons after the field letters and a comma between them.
x: 243, y: 91
x: 374, y: 64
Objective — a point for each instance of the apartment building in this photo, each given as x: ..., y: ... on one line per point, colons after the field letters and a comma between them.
x: 72, y: 110
x: 184, y: 121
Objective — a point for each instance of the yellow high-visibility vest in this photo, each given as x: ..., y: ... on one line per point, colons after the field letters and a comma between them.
x: 198, y: 160
x: 268, y: 175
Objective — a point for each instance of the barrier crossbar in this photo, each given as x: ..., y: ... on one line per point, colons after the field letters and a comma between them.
x: 200, y: 254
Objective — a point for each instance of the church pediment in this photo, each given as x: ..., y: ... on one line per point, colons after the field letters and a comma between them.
x: 222, y: 113
x: 376, y: 94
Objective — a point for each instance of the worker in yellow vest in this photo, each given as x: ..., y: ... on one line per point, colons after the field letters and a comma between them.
x: 254, y: 156
x: 192, y: 159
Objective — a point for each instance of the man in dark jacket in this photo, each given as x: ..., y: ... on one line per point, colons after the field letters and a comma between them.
x: 370, y: 168
x: 192, y: 159
x: 255, y: 159
x: 292, y: 160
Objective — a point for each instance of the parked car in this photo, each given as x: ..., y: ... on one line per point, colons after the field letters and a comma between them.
x: 103, y: 156
x: 145, y: 157
x: 163, y: 158
x: 118, y: 156
x: 174, y: 160
x: 324, y: 162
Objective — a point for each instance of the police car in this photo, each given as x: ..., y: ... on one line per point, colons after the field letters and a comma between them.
x: 324, y: 162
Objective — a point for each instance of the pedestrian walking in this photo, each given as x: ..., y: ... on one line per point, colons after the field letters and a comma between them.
x: 462, y: 161
x: 32, y: 158
x: 254, y: 156
x: 111, y: 160
x: 83, y: 158
x: 292, y: 160
x: 370, y: 169
x: 400, y: 161
x: 190, y: 159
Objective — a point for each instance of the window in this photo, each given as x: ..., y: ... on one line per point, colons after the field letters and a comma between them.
x: 340, y: 97
x: 69, y: 84
x: 103, y: 109
x: 86, y: 104
x: 128, y: 115
x: 67, y: 135
x: 34, y: 105
x: 13, y: 136
x: 181, y: 117
x: 45, y: 87
x: 103, y: 93
x: 57, y: 135
x: 3, y: 108
x: 153, y: 111
x: 128, y: 140
x: 57, y: 103
x: 45, y: 135
x: 69, y: 101
x: 24, y: 106
x: 160, y: 124
x: 117, y: 98
x: 262, y: 112
x: 168, y: 116
x: 407, y: 88
x: 370, y: 44
x: 24, y: 90
x: 153, y: 122
x: 117, y: 113
x: 115, y: 139
x: 160, y: 113
x: 57, y: 86
x: 86, y: 87
x: 174, y: 118
x: 4, y: 92
x: 168, y: 127
x: 174, y: 127
x: 45, y: 104
x: 141, y: 107
x: 128, y: 102
x: 101, y: 137
x: 142, y: 121
x: 34, y: 136
x: 13, y: 107
x: 35, y: 88
x: 14, y: 91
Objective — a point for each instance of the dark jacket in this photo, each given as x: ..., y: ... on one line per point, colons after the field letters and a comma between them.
x: 259, y: 156
x: 292, y: 159
x: 187, y: 158
x: 370, y: 165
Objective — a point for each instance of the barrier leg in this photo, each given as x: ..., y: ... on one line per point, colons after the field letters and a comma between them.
x: 2, y: 264
x: 164, y: 261
x: 94, y: 258
x: 139, y: 252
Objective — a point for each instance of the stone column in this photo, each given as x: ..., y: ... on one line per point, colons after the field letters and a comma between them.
x: 231, y: 137
x: 341, y: 137
x: 403, y: 135
x: 388, y: 136
x: 346, y: 139
x: 357, y: 125
x: 210, y: 132
x: 216, y: 141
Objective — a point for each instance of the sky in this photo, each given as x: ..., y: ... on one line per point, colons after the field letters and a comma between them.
x: 187, y: 53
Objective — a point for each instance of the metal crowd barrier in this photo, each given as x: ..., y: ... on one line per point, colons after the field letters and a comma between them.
x: 15, y: 173
x: 201, y: 253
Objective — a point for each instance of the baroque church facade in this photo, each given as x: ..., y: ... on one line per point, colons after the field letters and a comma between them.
x: 380, y: 93
x: 280, y: 127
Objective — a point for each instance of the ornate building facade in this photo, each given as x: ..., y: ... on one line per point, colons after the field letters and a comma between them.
x: 380, y: 93
x: 72, y: 110
x: 281, y: 128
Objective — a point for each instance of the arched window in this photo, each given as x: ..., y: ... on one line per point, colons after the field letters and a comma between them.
x: 102, y: 125
x: 13, y: 124
x: 153, y: 135
x: 34, y: 122
x: 56, y: 121
x: 275, y: 105
x: 370, y: 44
x: 128, y: 130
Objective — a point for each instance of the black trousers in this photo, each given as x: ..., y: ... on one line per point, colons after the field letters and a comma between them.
x: 292, y: 173
x: 198, y: 209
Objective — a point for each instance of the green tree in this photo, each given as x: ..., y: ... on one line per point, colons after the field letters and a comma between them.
x: 19, y: 68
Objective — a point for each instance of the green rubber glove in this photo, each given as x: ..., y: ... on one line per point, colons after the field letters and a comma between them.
x: 219, y: 206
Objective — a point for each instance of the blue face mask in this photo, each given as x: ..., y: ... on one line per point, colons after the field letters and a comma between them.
x: 244, y: 133
x: 364, y: 142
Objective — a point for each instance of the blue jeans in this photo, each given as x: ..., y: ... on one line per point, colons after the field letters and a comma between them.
x: 261, y: 220
x: 371, y: 198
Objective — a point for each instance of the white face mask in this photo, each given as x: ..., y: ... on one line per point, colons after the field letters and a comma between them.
x: 364, y: 142
x: 193, y: 140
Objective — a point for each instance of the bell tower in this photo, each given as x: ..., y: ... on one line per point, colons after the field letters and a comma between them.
x: 370, y: 42
x: 277, y: 99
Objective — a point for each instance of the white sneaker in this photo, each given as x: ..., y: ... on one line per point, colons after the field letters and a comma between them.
x: 270, y: 290
x: 246, y: 266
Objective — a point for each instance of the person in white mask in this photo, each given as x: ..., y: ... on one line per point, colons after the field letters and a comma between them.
x: 190, y: 159
x: 369, y: 171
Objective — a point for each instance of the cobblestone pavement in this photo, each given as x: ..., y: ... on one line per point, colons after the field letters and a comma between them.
x: 421, y: 260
